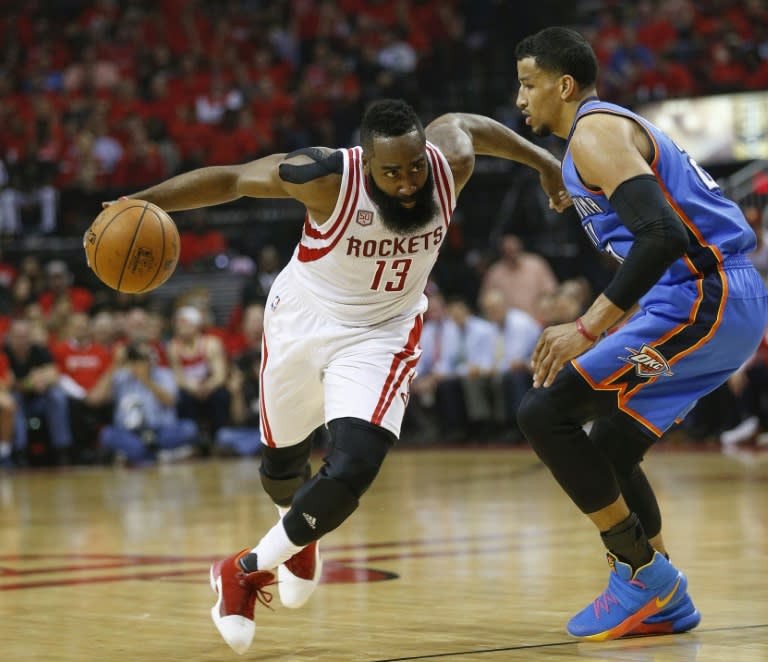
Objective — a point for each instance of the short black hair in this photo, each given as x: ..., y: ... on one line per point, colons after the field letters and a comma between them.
x: 388, y: 118
x: 562, y: 51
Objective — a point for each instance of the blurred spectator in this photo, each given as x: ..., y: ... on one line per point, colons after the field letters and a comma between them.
x: 243, y: 436
x: 759, y: 256
x: 268, y: 266
x: 199, y: 365
x: 211, y: 105
x: 31, y: 267
x: 38, y: 393
x: 142, y: 326
x: 142, y: 163
x: 524, y: 278
x: 30, y: 187
x: 8, y: 272
x: 103, y: 329
x: 8, y: 417
x: 21, y: 295
x: 145, y: 425
x: 200, y: 243
x: 60, y: 286
x: 518, y: 334
x: 433, y: 378
x: 474, y: 363
x: 81, y: 363
x: 749, y: 386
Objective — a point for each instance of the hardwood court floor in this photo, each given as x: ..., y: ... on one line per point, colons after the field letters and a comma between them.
x: 455, y: 554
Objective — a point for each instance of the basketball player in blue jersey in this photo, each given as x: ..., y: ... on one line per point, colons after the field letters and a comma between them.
x: 694, y: 309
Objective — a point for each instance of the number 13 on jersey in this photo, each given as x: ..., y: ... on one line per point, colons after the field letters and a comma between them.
x: 390, y: 276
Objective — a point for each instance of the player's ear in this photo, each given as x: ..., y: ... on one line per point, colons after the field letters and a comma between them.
x: 568, y: 87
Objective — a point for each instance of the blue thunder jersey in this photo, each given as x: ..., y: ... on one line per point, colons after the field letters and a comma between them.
x: 703, y: 318
x: 716, y: 227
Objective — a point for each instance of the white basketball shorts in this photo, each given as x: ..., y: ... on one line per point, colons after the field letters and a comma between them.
x: 314, y: 369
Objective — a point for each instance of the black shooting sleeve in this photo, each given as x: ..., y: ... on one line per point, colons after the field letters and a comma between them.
x: 660, y: 239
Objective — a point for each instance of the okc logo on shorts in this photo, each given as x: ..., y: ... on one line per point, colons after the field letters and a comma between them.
x: 364, y: 217
x: 275, y: 303
x: 648, y: 362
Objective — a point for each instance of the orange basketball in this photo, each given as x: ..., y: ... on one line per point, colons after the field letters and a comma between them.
x: 132, y: 246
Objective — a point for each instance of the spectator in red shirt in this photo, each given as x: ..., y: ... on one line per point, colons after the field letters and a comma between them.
x: 142, y: 162
x: 60, y: 286
x: 81, y: 363
x: 200, y: 242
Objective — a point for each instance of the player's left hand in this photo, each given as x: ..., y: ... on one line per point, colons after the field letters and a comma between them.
x: 551, y: 180
x: 557, y: 344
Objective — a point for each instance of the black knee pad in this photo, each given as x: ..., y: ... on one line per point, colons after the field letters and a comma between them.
x: 356, y: 451
x: 546, y: 414
x: 622, y: 440
x: 552, y: 419
x: 284, y: 470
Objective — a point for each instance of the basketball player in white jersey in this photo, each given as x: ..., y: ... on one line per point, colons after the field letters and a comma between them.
x: 342, y: 325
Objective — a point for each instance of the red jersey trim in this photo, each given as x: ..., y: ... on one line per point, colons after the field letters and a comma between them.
x: 266, y: 430
x: 442, y: 183
x: 308, y: 254
x: 405, y: 359
x: 317, y: 234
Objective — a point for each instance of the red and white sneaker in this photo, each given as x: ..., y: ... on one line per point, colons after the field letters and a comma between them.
x: 299, y: 576
x: 238, y: 591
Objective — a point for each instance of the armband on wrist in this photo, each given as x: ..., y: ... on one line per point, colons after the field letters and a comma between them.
x: 583, y: 331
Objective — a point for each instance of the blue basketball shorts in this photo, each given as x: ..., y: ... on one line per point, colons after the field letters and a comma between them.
x: 685, y: 341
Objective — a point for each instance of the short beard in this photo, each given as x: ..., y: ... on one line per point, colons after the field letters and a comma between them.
x: 542, y: 131
x: 402, y: 220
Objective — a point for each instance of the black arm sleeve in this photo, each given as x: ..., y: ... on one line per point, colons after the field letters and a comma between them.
x: 660, y: 239
x: 324, y: 164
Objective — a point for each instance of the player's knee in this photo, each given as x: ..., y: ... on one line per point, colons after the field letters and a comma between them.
x: 538, y: 417
x: 284, y: 470
x: 621, y: 441
x: 357, y: 451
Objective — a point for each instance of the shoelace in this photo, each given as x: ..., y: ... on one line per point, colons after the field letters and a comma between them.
x: 259, y: 592
x: 603, y: 602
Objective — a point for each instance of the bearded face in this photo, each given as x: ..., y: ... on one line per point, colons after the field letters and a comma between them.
x: 407, y: 214
x: 400, y: 182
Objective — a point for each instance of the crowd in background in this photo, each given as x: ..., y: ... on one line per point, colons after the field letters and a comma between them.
x: 101, y: 98
x: 107, y: 95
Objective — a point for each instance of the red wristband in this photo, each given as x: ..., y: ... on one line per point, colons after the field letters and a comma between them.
x: 583, y: 331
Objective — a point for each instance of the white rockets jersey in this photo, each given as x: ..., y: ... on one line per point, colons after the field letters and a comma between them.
x: 357, y: 271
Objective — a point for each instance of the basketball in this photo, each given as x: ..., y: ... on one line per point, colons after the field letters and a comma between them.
x: 132, y: 246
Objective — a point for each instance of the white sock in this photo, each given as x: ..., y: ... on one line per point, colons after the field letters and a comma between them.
x: 6, y: 448
x: 274, y: 548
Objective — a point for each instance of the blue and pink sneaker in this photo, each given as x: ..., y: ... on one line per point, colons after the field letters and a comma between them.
x: 630, y: 599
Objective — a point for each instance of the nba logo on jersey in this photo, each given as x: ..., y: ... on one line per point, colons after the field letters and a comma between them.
x: 275, y: 303
x: 364, y: 217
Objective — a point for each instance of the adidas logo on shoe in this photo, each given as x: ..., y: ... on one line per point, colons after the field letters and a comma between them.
x: 312, y: 521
